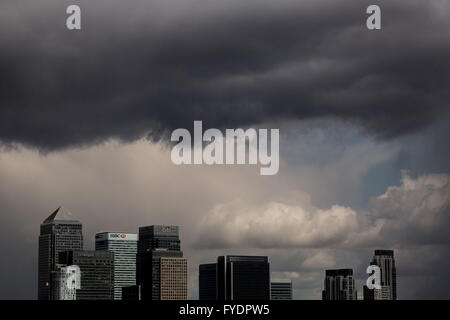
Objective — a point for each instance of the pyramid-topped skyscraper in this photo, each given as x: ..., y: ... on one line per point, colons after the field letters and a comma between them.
x: 59, y: 215
x: 59, y: 232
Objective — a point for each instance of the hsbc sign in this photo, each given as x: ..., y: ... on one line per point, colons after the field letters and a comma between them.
x: 116, y: 236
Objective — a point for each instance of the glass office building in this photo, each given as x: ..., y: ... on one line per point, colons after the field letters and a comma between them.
x: 281, y: 289
x: 161, y: 269
x: 207, y: 278
x: 58, y: 233
x: 124, y: 247
x: 236, y: 278
x: 388, y: 291
x: 339, y: 285
x: 97, y: 273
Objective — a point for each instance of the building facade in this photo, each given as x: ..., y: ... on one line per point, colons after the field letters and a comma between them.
x: 65, y: 282
x: 97, y: 273
x: 388, y: 291
x: 173, y: 278
x: 339, y: 285
x: 58, y: 233
x: 236, y: 278
x: 281, y: 289
x: 124, y: 247
x: 207, y: 278
x: 160, y: 266
x: 159, y: 237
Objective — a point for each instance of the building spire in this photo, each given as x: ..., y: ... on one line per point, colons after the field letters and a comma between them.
x: 60, y: 214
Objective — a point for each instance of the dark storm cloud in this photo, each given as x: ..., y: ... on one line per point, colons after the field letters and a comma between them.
x: 147, y: 67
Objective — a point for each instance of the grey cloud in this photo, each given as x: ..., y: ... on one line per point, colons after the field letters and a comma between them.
x: 147, y: 67
x: 414, y: 213
x: 275, y: 225
x: 122, y: 186
x: 412, y: 218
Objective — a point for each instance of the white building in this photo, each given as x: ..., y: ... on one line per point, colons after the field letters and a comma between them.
x: 124, y: 247
x: 65, y: 282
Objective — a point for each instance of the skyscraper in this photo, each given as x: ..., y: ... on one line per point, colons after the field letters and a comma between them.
x: 124, y: 246
x: 281, y: 289
x: 385, y: 260
x: 160, y: 266
x: 237, y: 278
x: 159, y: 237
x: 65, y: 282
x: 97, y: 273
x: 58, y: 233
x: 339, y: 285
x: 173, y: 278
x: 207, y: 278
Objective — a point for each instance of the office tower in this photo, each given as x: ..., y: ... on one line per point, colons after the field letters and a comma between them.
x: 58, y: 233
x: 243, y: 278
x: 385, y: 260
x: 159, y: 237
x: 281, y: 289
x: 124, y: 246
x: 207, y: 277
x: 65, y: 281
x: 173, y: 278
x: 160, y: 266
x: 164, y: 275
x: 339, y: 285
x: 97, y: 273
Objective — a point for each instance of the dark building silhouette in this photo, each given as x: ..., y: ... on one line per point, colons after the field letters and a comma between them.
x: 281, y: 289
x: 131, y: 293
x: 339, y: 285
x: 161, y: 270
x: 159, y: 237
x: 58, y: 233
x: 97, y: 273
x: 385, y: 260
x: 207, y: 281
x: 368, y: 294
x: 237, y: 278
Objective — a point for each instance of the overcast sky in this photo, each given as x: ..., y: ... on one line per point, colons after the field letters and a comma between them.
x: 363, y: 117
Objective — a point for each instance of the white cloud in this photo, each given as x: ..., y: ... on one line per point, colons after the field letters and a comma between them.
x: 275, y: 225
x: 416, y: 212
x: 419, y: 205
x: 320, y: 260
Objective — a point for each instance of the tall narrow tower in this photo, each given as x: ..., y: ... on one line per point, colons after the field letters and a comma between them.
x: 339, y: 285
x: 59, y: 232
x: 385, y: 260
x: 124, y: 246
x: 160, y: 266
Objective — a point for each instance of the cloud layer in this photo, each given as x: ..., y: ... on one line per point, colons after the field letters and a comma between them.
x: 415, y: 213
x: 143, y: 68
x: 225, y: 210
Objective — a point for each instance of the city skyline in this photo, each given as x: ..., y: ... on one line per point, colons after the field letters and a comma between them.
x: 362, y: 118
x: 128, y: 261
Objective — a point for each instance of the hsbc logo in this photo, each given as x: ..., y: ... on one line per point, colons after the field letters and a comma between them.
x: 118, y: 236
x: 104, y: 236
x: 166, y: 229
